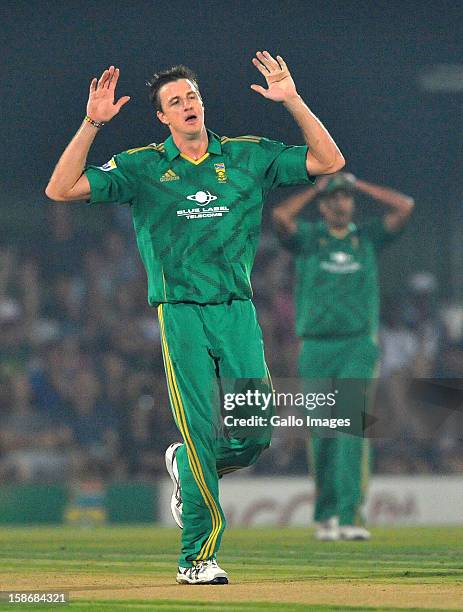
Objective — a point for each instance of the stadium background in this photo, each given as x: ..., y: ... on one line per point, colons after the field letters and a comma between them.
x: 84, y: 419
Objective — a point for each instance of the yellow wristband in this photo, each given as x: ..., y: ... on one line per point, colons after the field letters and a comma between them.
x: 97, y: 124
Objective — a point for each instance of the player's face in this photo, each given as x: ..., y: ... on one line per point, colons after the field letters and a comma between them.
x: 338, y: 208
x: 182, y: 108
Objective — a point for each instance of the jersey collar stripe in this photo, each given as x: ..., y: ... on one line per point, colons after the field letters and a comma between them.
x: 196, y: 162
x: 172, y: 151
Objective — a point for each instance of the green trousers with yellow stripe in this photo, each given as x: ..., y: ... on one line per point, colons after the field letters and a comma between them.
x: 209, y: 349
x: 340, y: 461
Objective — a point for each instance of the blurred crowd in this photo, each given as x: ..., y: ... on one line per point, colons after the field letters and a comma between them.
x: 82, y: 386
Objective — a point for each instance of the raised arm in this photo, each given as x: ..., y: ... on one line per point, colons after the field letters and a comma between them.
x: 284, y: 214
x: 323, y: 157
x: 400, y: 205
x: 67, y: 183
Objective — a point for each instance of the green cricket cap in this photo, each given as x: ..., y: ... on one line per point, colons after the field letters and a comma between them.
x: 337, y: 182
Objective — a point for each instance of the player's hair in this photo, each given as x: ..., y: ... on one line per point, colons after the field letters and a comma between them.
x: 167, y: 76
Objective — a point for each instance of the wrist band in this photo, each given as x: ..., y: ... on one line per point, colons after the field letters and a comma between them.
x: 97, y: 124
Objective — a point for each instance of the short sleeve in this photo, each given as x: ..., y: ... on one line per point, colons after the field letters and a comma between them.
x: 378, y: 234
x: 301, y: 241
x: 287, y: 164
x: 114, y: 182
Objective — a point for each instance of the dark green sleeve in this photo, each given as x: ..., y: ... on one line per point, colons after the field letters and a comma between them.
x: 286, y: 165
x: 114, y: 182
x: 301, y: 241
x: 378, y: 234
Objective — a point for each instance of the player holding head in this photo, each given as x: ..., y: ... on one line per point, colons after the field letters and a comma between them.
x: 337, y: 311
x: 196, y: 201
x: 336, y: 202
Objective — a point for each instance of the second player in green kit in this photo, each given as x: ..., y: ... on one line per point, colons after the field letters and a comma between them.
x: 196, y: 202
x: 337, y: 314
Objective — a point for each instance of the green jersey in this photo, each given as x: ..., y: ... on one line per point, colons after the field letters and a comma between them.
x: 197, y: 222
x: 336, y: 286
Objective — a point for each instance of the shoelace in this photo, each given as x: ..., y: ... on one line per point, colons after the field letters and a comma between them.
x: 194, y: 571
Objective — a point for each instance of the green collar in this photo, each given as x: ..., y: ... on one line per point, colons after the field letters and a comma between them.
x: 172, y: 150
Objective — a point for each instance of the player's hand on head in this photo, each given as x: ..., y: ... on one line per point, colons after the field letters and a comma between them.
x: 102, y: 104
x: 322, y: 182
x: 349, y: 177
x: 281, y: 86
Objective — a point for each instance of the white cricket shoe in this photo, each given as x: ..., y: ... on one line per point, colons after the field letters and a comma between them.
x: 328, y: 531
x: 176, y: 504
x: 353, y: 532
x: 204, y: 572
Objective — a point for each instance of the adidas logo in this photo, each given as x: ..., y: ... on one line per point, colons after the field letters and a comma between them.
x: 169, y: 176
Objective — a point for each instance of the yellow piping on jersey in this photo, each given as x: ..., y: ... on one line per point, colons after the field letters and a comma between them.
x: 196, y: 162
x: 226, y: 139
x: 252, y: 136
x: 152, y: 147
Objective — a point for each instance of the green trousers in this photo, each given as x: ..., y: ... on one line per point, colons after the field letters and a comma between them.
x: 340, y: 460
x: 209, y: 350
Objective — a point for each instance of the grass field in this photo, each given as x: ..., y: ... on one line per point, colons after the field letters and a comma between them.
x: 133, y: 568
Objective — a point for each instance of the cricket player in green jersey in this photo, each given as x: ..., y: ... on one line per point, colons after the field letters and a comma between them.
x: 337, y: 311
x: 196, y: 202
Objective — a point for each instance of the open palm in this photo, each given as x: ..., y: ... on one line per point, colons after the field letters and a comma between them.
x: 101, y: 105
x: 280, y: 83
